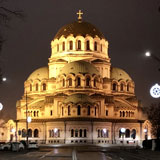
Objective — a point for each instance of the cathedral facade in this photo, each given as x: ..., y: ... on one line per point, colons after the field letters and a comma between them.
x: 79, y: 97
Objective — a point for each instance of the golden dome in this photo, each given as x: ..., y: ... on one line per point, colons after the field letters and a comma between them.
x: 41, y: 73
x: 118, y: 74
x: 79, y: 29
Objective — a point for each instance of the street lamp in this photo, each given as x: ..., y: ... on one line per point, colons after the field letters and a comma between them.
x: 145, y: 131
x: 123, y: 130
x: 29, y: 119
x: 1, y: 106
x: 4, y: 79
x: 104, y: 133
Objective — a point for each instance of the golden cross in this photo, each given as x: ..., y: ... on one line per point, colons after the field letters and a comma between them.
x: 80, y: 13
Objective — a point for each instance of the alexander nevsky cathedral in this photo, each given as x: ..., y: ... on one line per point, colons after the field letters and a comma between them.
x: 79, y: 97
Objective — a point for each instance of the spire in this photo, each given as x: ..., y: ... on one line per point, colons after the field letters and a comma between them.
x: 79, y: 13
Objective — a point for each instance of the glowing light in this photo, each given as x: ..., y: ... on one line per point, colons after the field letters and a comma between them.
x: 145, y: 130
x: 1, y: 106
x: 4, y: 79
x: 155, y: 91
x: 29, y: 119
x: 123, y: 130
x: 55, y: 130
x: 13, y: 130
x: 147, y: 54
x: 104, y: 130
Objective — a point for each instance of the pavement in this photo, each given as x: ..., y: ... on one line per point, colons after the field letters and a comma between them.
x: 82, y: 152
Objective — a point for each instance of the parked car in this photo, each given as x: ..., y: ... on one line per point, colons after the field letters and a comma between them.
x: 1, y: 143
x: 17, y: 146
x: 6, y: 146
x: 33, y: 145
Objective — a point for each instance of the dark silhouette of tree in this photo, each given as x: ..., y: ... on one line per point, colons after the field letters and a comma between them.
x: 6, y: 14
x: 153, y: 112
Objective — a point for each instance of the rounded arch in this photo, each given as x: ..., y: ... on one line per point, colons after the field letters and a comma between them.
x: 36, y: 133
x: 114, y: 86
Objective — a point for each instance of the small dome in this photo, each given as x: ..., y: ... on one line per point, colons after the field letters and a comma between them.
x: 117, y: 73
x: 79, y: 67
x: 41, y: 73
x: 78, y: 98
x: 79, y: 29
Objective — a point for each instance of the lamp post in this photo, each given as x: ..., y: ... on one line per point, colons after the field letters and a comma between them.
x: 123, y: 130
x: 104, y: 133
x: 145, y: 132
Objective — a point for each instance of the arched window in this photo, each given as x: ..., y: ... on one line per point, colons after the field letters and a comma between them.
x: 23, y: 133
x: 87, y: 46
x: 127, y: 133
x: 36, y: 86
x: 95, y: 110
x: 79, y: 110
x: 72, y: 132
x: 121, y: 135
x: 95, y: 46
x: 34, y: 113
x: 99, y: 132
x: 79, y: 45
x: 36, y: 132
x: 70, y: 81
x: 88, y: 81
x: 85, y: 133
x: 63, y: 46
x: 78, y: 81
x: 76, y: 133
x: 62, y: 111
x: 122, y: 86
x: 120, y: 114
x: 114, y: 87
x: 29, y: 132
x: 123, y: 113
x: 58, y: 132
x: 133, y: 134
x: 126, y: 113
x: 70, y: 45
x: 69, y: 110
x: 30, y: 87
x: 44, y: 87
x: 37, y: 113
x: 57, y: 47
x: 128, y: 87
x: 89, y: 110
x: 80, y: 133
x: 95, y: 82
x: 101, y: 48
x: 63, y: 82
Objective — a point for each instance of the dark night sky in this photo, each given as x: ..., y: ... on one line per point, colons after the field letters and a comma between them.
x: 130, y: 26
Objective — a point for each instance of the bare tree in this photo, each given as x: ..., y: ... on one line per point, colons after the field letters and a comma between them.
x: 6, y: 14
x: 153, y: 112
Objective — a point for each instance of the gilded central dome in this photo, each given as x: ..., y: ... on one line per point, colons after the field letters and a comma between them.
x: 79, y: 29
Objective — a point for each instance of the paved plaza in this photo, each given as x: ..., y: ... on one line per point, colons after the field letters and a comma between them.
x: 82, y: 153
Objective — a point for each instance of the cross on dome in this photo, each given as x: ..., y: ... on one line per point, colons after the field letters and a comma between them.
x: 79, y: 13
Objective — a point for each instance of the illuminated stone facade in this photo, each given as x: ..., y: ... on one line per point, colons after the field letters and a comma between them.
x: 79, y: 97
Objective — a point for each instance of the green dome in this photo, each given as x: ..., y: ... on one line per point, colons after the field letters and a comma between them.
x: 117, y: 73
x: 78, y: 98
x: 40, y: 73
x: 79, y: 28
x: 79, y: 67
